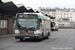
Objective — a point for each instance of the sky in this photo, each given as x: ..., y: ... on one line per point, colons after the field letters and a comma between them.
x: 46, y: 3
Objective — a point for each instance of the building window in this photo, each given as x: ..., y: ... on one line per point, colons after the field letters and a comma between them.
x: 58, y: 16
x: 67, y: 14
x: 71, y: 17
x: 64, y: 16
x: 67, y: 17
x: 3, y: 23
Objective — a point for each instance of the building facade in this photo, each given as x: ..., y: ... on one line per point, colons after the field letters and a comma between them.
x: 6, y: 25
x: 65, y: 17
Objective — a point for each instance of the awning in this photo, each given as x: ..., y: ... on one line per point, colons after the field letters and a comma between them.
x: 10, y: 7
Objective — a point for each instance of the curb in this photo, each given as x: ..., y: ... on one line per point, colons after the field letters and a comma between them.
x: 66, y: 28
x: 7, y: 35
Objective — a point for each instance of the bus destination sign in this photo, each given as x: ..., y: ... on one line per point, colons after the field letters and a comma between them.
x: 27, y: 16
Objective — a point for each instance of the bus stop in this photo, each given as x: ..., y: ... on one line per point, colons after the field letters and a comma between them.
x: 7, y: 14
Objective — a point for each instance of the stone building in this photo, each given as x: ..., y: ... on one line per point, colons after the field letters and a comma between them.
x: 65, y: 17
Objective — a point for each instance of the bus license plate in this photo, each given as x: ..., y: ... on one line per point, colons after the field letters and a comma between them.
x: 26, y: 37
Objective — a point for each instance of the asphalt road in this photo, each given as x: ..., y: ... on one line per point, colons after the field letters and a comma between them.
x: 63, y: 39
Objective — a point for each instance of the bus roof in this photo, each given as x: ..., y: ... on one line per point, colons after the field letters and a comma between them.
x: 39, y: 15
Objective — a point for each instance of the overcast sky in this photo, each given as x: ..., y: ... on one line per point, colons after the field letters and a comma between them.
x: 47, y: 3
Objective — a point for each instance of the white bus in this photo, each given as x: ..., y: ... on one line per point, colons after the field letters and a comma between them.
x: 32, y: 26
x: 54, y: 26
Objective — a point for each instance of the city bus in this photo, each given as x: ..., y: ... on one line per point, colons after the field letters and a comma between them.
x: 32, y: 26
x: 54, y: 26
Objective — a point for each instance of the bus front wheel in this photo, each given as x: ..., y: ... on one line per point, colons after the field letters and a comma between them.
x: 41, y: 37
x: 21, y: 39
x: 49, y: 34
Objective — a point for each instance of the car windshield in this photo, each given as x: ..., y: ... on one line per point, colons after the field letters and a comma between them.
x: 28, y: 23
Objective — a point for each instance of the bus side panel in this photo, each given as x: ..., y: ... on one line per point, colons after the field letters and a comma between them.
x: 46, y: 27
x: 41, y: 28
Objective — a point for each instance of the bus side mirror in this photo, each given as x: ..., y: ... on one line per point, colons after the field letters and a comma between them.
x: 40, y: 20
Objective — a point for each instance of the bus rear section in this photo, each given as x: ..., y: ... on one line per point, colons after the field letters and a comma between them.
x: 28, y: 27
x: 54, y: 26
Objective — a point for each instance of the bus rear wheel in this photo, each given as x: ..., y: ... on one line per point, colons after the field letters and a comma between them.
x: 47, y: 37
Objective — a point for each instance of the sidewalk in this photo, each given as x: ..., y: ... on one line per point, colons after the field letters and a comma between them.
x: 66, y: 28
x: 7, y: 35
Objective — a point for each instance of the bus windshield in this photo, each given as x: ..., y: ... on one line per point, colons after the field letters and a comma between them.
x: 52, y: 24
x: 28, y: 23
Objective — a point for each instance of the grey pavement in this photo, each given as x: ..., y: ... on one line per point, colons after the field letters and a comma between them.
x: 7, y: 35
x: 63, y: 39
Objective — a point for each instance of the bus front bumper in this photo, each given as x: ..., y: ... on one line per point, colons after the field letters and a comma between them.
x: 28, y: 36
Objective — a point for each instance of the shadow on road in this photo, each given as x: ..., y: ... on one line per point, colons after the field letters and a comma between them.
x: 32, y: 40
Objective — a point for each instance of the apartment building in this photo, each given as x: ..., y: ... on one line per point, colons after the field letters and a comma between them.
x: 65, y: 17
x: 65, y: 14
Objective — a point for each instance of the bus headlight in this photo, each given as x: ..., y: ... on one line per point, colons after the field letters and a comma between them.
x: 37, y: 32
x: 16, y: 31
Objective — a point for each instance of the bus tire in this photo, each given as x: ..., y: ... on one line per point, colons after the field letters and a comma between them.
x: 21, y: 39
x: 55, y: 29
x: 41, y: 37
x: 49, y: 34
x: 47, y: 37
